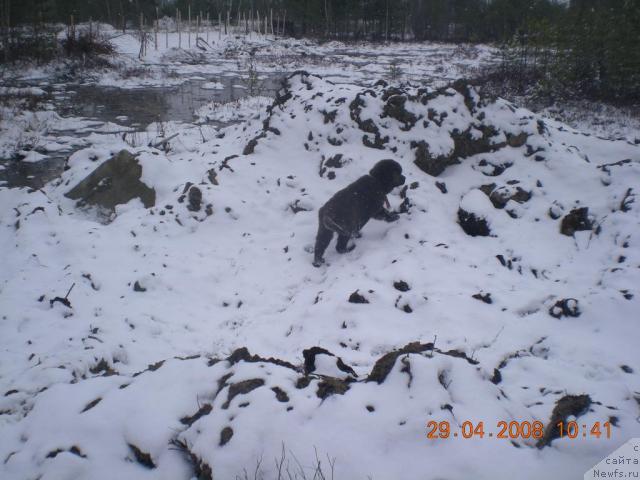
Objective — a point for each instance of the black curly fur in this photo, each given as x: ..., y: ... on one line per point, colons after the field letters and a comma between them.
x: 351, y: 208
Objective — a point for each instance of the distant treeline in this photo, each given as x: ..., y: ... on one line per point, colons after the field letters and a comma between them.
x: 450, y: 20
x: 592, y: 46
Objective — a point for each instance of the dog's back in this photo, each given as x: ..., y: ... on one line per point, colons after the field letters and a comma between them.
x: 352, y: 207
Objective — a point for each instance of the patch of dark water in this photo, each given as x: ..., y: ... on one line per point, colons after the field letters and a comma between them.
x: 138, y: 107
x: 130, y: 107
x: 15, y: 173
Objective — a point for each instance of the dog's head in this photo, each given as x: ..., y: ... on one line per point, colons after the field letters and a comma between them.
x: 388, y: 173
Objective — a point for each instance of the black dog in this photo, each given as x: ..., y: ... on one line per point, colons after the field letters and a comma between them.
x: 351, y: 208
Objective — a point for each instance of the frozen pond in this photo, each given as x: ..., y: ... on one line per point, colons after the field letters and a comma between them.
x: 138, y: 107
x: 132, y: 108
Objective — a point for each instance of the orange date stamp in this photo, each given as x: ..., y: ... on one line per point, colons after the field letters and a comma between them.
x: 517, y: 430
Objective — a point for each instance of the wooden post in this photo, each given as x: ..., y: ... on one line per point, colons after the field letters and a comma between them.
x: 219, y: 26
x: 228, y: 22
x: 124, y: 22
x: 142, y: 39
x: 178, y: 27
x: 271, y: 12
x: 386, y: 24
x: 207, y: 27
x: 258, y: 19
x: 189, y: 24
x: 284, y: 22
x: 156, y: 29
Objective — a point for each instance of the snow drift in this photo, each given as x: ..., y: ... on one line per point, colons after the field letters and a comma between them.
x: 508, y: 285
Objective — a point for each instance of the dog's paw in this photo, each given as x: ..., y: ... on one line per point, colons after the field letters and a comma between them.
x: 317, y: 262
x: 346, y: 249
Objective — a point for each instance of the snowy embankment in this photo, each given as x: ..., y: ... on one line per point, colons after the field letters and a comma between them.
x: 173, y: 57
x: 169, y: 342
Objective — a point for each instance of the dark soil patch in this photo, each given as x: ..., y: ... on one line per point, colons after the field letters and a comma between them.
x: 569, y: 405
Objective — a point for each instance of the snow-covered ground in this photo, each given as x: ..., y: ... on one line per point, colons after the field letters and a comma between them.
x: 176, y: 341
x: 134, y: 378
x: 178, y: 56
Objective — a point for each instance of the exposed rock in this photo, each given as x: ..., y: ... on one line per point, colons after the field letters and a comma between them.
x: 486, y: 298
x: 463, y: 87
x: 225, y: 435
x: 401, y: 286
x: 465, y: 143
x: 75, y: 450
x: 378, y: 141
x: 212, y: 176
x: 395, y: 108
x: 242, y: 388
x: 473, y: 225
x: 310, y: 361
x: 242, y: 354
x: 104, y: 368
x: 142, y: 458
x: 385, y: 364
x: 202, y: 411
x: 569, y: 405
x: 296, y: 207
x: 281, y: 395
x: 335, y: 161
x: 576, y: 220
x: 309, y: 355
x: 500, y: 196
x: 330, y: 116
x: 91, y: 404
x: 195, y: 199
x: 555, y: 210
x: 429, y: 164
x: 303, y: 382
x: 491, y: 169
x: 567, y: 307
x: 251, y: 146
x: 355, y: 297
x: 331, y: 386
x: 518, y: 140
x: 627, y: 200
x: 355, y: 108
x: 114, y: 182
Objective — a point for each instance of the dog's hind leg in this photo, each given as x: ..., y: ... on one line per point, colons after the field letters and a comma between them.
x: 341, y: 245
x: 323, y: 238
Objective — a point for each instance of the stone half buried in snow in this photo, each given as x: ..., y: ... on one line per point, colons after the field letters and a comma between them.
x: 114, y: 182
x: 576, y: 220
x: 473, y: 214
x: 566, y: 407
x: 321, y: 361
x: 501, y: 195
x: 566, y: 307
